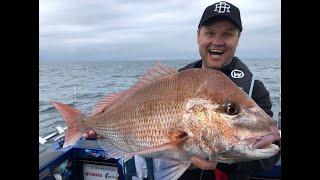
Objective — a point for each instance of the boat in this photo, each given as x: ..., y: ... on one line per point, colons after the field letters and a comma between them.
x: 85, y: 160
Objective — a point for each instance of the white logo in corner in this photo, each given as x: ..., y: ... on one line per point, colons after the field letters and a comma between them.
x: 222, y: 7
x: 237, y: 74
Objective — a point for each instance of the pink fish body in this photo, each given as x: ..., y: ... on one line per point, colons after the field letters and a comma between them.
x: 177, y: 115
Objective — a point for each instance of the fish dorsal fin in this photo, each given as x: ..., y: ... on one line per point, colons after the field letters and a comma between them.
x: 153, y: 73
x: 157, y: 71
x: 106, y: 101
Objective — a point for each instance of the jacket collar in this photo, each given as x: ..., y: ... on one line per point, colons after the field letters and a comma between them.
x: 226, y: 69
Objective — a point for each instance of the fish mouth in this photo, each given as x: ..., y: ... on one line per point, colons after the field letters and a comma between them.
x: 254, y: 148
x: 265, y: 142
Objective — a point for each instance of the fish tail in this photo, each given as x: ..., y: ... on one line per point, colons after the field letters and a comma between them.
x: 75, y: 121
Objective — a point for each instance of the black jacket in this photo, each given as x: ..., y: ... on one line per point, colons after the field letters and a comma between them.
x: 242, y: 170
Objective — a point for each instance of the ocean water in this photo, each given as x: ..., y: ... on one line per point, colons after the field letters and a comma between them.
x: 82, y: 84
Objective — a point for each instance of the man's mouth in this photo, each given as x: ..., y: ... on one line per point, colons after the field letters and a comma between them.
x: 215, y: 53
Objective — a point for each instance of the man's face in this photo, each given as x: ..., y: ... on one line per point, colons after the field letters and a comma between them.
x: 217, y: 43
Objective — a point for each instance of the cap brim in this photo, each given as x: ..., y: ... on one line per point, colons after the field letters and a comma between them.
x: 222, y: 16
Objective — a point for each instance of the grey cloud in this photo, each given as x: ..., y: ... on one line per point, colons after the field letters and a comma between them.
x: 82, y: 29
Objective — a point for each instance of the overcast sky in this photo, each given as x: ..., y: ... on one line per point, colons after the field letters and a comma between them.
x: 93, y: 30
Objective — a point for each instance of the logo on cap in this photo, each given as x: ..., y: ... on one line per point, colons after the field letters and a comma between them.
x: 237, y: 73
x: 221, y: 7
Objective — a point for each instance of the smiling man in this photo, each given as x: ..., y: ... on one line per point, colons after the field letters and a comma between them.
x: 218, y: 35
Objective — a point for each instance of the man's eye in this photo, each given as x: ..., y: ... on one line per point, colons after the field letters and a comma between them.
x: 210, y: 34
x: 228, y: 35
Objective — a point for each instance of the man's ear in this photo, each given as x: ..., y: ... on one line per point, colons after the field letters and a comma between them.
x: 198, y: 33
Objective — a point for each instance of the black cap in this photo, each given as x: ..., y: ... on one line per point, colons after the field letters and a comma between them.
x: 222, y: 9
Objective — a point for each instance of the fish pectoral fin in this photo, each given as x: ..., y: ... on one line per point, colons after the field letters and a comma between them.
x: 169, y: 169
x: 111, y: 150
x: 170, y: 149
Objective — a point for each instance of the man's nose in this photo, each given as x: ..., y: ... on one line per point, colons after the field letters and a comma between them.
x: 217, y: 41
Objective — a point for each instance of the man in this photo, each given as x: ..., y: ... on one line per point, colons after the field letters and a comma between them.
x: 217, y: 37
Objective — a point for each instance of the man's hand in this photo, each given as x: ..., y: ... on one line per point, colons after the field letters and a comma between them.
x: 90, y: 135
x: 203, y: 164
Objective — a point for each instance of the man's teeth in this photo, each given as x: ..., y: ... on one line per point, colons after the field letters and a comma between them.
x: 215, y: 52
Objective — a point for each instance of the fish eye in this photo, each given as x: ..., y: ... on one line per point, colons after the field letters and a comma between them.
x: 231, y: 108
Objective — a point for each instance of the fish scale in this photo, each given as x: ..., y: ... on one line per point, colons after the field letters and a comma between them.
x: 136, y: 129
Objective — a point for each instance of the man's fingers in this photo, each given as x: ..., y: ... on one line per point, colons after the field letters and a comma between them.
x: 92, y: 133
x: 85, y: 135
x: 203, y: 164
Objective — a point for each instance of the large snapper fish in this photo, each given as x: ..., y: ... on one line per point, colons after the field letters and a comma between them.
x: 177, y: 115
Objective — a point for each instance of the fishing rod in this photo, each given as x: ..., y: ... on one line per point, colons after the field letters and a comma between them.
x: 59, y: 131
